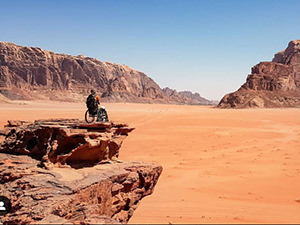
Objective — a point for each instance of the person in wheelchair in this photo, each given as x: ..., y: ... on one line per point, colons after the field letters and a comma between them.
x: 92, y: 103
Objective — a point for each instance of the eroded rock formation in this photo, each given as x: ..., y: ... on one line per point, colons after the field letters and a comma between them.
x: 65, y: 141
x: 33, y: 73
x: 270, y: 84
x: 65, y: 171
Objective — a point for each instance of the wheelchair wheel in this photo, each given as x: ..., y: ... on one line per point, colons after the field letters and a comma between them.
x: 89, y: 118
x: 103, y: 115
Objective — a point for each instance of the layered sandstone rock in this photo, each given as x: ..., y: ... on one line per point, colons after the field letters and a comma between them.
x: 66, y: 171
x: 270, y: 84
x: 64, y: 141
x: 106, y: 193
x: 33, y: 73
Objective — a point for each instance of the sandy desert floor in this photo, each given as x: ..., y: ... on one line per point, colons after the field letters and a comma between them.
x: 220, y: 165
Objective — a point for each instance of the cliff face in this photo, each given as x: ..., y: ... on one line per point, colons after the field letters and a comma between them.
x: 270, y: 84
x: 33, y: 73
x: 66, y: 171
x: 105, y: 194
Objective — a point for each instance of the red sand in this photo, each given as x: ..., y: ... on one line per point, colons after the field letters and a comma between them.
x: 220, y: 165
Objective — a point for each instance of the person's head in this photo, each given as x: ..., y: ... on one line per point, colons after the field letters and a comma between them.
x: 93, y: 92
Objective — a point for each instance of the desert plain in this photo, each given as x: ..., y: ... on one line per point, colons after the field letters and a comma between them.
x: 219, y: 165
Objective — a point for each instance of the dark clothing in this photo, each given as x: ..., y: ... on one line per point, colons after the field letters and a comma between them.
x: 92, y: 104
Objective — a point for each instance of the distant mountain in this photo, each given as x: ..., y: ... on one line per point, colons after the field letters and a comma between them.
x: 186, y: 97
x: 270, y: 84
x: 32, y: 73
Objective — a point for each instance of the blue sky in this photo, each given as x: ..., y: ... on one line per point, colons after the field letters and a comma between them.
x: 202, y: 46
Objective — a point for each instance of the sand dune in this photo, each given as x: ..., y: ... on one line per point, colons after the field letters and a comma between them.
x: 220, y: 165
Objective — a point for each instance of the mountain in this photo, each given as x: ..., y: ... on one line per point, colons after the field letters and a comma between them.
x: 32, y: 73
x: 186, y: 97
x: 270, y: 84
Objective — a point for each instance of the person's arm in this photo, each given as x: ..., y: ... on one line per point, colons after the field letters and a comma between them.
x: 98, y: 99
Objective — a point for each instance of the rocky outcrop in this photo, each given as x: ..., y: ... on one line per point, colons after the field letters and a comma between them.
x: 64, y: 141
x: 33, y: 73
x: 107, y: 193
x: 270, y: 84
x: 65, y: 171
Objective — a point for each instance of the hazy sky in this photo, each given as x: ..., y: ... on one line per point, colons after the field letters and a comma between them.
x: 202, y: 46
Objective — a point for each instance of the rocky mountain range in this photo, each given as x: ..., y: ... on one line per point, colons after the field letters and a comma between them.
x: 32, y: 73
x: 186, y: 97
x: 270, y: 84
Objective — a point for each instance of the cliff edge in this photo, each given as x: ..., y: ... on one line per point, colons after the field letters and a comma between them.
x: 66, y: 171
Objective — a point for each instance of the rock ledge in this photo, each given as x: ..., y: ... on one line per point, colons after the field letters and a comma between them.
x: 70, y: 173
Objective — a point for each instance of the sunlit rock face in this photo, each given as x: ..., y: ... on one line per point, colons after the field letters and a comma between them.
x: 31, y: 73
x: 270, y: 84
